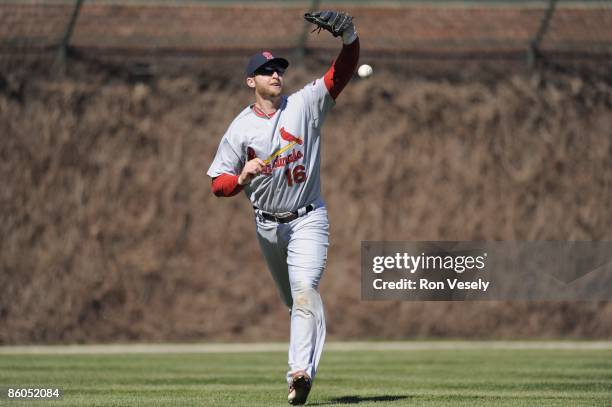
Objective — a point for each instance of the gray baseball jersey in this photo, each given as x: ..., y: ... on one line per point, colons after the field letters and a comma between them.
x: 289, y: 143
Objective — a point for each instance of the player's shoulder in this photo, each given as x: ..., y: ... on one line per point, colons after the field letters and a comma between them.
x: 242, y: 120
x: 314, y: 87
x: 245, y: 115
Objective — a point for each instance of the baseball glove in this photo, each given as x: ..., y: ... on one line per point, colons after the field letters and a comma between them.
x: 333, y: 21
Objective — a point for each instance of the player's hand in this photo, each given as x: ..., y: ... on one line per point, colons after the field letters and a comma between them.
x: 251, y: 170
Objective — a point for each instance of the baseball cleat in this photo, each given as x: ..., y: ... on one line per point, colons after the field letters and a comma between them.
x: 299, y: 388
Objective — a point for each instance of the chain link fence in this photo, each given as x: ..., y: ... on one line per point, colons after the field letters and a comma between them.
x: 524, y: 29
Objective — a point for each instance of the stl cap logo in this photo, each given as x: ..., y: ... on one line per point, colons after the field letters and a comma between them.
x: 267, y: 55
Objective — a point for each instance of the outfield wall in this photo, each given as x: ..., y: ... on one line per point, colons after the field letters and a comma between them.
x: 109, y: 231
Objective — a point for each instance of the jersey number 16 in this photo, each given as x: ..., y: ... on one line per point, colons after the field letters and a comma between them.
x: 297, y: 175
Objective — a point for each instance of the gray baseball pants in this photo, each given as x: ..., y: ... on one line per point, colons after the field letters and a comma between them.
x: 296, y: 254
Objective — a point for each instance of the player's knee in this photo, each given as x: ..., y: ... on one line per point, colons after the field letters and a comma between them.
x: 307, y: 303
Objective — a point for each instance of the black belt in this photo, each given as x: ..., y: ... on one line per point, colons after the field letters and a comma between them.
x: 284, y: 219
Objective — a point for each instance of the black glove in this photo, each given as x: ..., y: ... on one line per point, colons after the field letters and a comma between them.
x: 333, y: 21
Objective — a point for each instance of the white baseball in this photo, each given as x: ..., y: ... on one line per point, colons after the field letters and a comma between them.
x: 364, y: 71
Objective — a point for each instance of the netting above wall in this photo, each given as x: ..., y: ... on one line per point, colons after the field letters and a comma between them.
x: 226, y: 26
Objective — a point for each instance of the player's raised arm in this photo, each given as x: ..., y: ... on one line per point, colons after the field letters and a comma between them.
x: 342, y: 69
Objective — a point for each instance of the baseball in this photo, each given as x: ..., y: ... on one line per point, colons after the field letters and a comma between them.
x: 364, y: 71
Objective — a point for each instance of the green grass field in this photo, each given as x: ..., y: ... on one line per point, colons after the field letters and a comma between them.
x: 473, y: 377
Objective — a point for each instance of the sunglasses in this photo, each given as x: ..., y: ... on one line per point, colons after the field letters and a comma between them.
x: 269, y: 70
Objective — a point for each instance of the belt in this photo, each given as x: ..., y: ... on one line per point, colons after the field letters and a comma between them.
x: 285, y: 217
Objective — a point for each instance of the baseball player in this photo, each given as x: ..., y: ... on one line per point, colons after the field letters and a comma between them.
x: 271, y: 151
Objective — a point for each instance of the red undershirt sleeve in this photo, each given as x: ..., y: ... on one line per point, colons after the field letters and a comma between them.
x: 226, y: 185
x: 342, y: 69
